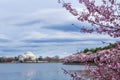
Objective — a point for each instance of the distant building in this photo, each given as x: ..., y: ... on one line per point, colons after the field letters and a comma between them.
x: 27, y: 57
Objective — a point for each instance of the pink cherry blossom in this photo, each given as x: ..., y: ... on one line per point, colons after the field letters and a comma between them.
x: 105, y: 18
x: 101, y: 15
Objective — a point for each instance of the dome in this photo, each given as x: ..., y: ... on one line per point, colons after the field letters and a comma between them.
x: 27, y: 55
x: 30, y: 54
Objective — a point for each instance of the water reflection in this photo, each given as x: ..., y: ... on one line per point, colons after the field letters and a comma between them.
x: 28, y: 75
x: 46, y: 71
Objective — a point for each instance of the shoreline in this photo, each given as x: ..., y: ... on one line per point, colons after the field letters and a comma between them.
x: 76, y: 63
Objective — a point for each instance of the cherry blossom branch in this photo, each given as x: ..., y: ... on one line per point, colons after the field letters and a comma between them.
x: 105, y: 15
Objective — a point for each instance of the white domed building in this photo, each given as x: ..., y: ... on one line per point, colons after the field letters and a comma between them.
x: 27, y: 56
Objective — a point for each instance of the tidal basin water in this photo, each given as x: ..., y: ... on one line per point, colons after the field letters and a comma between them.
x: 40, y: 71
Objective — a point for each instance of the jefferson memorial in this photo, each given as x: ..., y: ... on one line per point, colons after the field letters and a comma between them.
x: 27, y: 57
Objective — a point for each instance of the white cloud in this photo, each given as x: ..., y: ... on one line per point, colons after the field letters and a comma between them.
x: 2, y: 36
x: 64, y: 35
x: 48, y: 17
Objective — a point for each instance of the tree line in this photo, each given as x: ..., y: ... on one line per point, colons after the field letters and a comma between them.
x: 98, y: 48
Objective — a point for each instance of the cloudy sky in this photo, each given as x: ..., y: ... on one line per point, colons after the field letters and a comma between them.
x: 43, y: 27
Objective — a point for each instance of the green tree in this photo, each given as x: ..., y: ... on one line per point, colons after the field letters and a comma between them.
x: 92, y: 50
x: 86, y: 50
x: 40, y: 58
